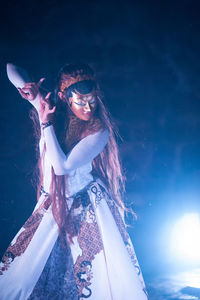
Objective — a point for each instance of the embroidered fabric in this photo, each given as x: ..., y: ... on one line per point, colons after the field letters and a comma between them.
x: 100, y: 264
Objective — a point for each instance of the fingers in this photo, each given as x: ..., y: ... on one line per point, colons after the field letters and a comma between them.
x: 33, y: 84
x: 47, y: 105
x: 46, y: 99
x: 52, y: 110
x: 28, y: 90
x: 26, y: 94
x: 45, y: 113
x: 29, y: 85
x: 40, y: 82
x: 23, y: 94
x: 48, y: 109
x: 31, y: 89
x: 47, y: 96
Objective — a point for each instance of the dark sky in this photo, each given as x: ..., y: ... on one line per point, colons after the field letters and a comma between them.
x: 146, y: 55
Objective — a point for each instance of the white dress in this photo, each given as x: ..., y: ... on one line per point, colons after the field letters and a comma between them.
x: 100, y: 264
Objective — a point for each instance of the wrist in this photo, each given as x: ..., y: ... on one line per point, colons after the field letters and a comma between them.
x: 46, y: 124
x: 36, y: 102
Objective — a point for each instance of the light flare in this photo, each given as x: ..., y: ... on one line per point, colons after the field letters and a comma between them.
x: 185, y: 238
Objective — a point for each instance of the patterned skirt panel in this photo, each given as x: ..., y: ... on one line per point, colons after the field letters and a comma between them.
x: 65, y: 275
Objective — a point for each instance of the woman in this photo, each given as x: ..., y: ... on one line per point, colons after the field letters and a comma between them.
x: 75, y: 244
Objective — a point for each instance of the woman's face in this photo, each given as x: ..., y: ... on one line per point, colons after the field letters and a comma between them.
x: 83, y: 106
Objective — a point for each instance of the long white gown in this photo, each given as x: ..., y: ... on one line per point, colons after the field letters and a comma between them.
x: 100, y: 264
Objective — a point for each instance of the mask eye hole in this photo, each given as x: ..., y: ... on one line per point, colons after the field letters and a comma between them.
x: 79, y: 103
x: 83, y: 102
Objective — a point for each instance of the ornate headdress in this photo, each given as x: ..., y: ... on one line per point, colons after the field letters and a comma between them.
x: 77, y: 76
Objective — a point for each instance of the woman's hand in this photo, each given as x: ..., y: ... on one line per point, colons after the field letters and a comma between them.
x: 30, y: 90
x: 45, y: 110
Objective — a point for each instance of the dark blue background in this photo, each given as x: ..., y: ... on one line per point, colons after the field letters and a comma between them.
x: 146, y: 54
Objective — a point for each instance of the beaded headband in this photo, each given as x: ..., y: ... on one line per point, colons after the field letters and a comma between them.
x: 70, y: 79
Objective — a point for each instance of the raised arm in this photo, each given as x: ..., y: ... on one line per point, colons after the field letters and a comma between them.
x: 84, y: 152
x: 30, y: 92
x: 27, y: 89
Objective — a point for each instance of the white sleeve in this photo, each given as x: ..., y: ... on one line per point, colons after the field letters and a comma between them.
x: 19, y: 77
x: 36, y: 102
x: 84, y: 152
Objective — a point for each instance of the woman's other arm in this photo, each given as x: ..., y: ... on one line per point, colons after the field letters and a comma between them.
x: 84, y: 152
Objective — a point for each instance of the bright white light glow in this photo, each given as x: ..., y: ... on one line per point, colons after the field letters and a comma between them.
x: 185, y: 238
x: 187, y: 278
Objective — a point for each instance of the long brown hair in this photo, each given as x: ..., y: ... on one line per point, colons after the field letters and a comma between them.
x: 69, y: 131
